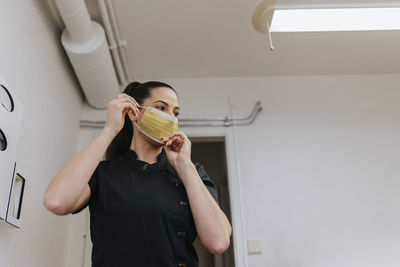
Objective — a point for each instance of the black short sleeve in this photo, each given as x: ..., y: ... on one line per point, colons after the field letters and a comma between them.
x: 93, y: 181
x: 210, y: 185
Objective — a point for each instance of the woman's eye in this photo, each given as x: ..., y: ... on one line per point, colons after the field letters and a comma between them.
x: 163, y: 109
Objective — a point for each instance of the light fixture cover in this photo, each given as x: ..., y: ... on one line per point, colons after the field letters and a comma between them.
x: 263, y: 14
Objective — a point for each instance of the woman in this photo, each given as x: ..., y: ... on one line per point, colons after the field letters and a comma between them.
x: 148, y: 201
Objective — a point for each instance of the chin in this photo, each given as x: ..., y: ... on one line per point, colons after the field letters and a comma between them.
x: 153, y: 143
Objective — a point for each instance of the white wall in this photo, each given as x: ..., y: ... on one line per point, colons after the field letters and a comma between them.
x: 34, y: 64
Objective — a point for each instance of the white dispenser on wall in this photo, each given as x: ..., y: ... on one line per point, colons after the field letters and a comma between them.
x: 11, y: 182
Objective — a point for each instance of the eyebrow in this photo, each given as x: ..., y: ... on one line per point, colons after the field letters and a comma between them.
x: 166, y: 103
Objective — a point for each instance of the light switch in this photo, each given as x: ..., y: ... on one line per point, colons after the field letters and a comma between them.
x: 254, y: 246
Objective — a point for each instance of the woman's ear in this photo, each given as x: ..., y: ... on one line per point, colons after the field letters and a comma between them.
x: 131, y: 116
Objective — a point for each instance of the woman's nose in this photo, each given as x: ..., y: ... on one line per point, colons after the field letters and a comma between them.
x: 171, y: 112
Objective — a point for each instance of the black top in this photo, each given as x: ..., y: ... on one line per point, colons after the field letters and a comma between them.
x: 140, y: 214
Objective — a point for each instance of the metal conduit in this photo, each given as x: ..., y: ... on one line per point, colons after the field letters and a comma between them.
x: 220, y: 121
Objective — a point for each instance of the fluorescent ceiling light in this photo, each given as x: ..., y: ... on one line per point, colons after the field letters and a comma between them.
x: 335, y: 19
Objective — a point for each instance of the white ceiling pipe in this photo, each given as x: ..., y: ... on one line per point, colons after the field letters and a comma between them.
x: 76, y: 19
x: 125, y: 62
x: 111, y: 41
x: 121, y: 44
x: 86, y: 46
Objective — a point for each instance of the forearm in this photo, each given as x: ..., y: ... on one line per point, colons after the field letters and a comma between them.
x: 212, y: 225
x: 69, y: 183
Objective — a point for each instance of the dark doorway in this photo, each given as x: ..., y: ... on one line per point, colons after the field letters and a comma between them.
x: 211, y: 153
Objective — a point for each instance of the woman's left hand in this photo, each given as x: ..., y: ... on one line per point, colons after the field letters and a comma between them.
x: 178, y: 148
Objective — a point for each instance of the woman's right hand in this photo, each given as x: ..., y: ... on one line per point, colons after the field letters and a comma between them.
x: 117, y: 109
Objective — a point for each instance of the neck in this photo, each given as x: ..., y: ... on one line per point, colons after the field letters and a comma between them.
x: 145, y: 151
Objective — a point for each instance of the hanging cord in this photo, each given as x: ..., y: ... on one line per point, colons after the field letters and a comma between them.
x: 271, y: 46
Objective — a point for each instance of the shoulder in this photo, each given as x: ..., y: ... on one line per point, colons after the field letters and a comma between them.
x: 105, y: 167
x: 104, y: 164
x: 204, y: 176
x: 114, y: 163
x: 201, y: 171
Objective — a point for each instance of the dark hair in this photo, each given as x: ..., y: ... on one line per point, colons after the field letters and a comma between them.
x: 122, y: 141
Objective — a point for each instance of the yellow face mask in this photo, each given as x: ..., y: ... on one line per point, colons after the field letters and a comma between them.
x: 157, y: 124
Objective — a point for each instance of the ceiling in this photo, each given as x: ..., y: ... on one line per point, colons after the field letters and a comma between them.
x: 215, y: 38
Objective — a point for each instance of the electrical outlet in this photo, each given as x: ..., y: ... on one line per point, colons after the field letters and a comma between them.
x: 254, y: 247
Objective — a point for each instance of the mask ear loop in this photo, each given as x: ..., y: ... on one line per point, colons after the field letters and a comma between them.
x: 140, y: 107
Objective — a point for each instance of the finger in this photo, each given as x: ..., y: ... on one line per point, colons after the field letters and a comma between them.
x: 170, y: 141
x: 168, y: 138
x: 181, y: 139
x: 134, y: 109
x: 126, y: 106
x: 168, y: 145
x: 125, y: 96
x: 121, y: 95
x: 165, y: 139
x: 177, y: 145
x: 175, y: 140
x: 130, y: 97
x: 181, y: 134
